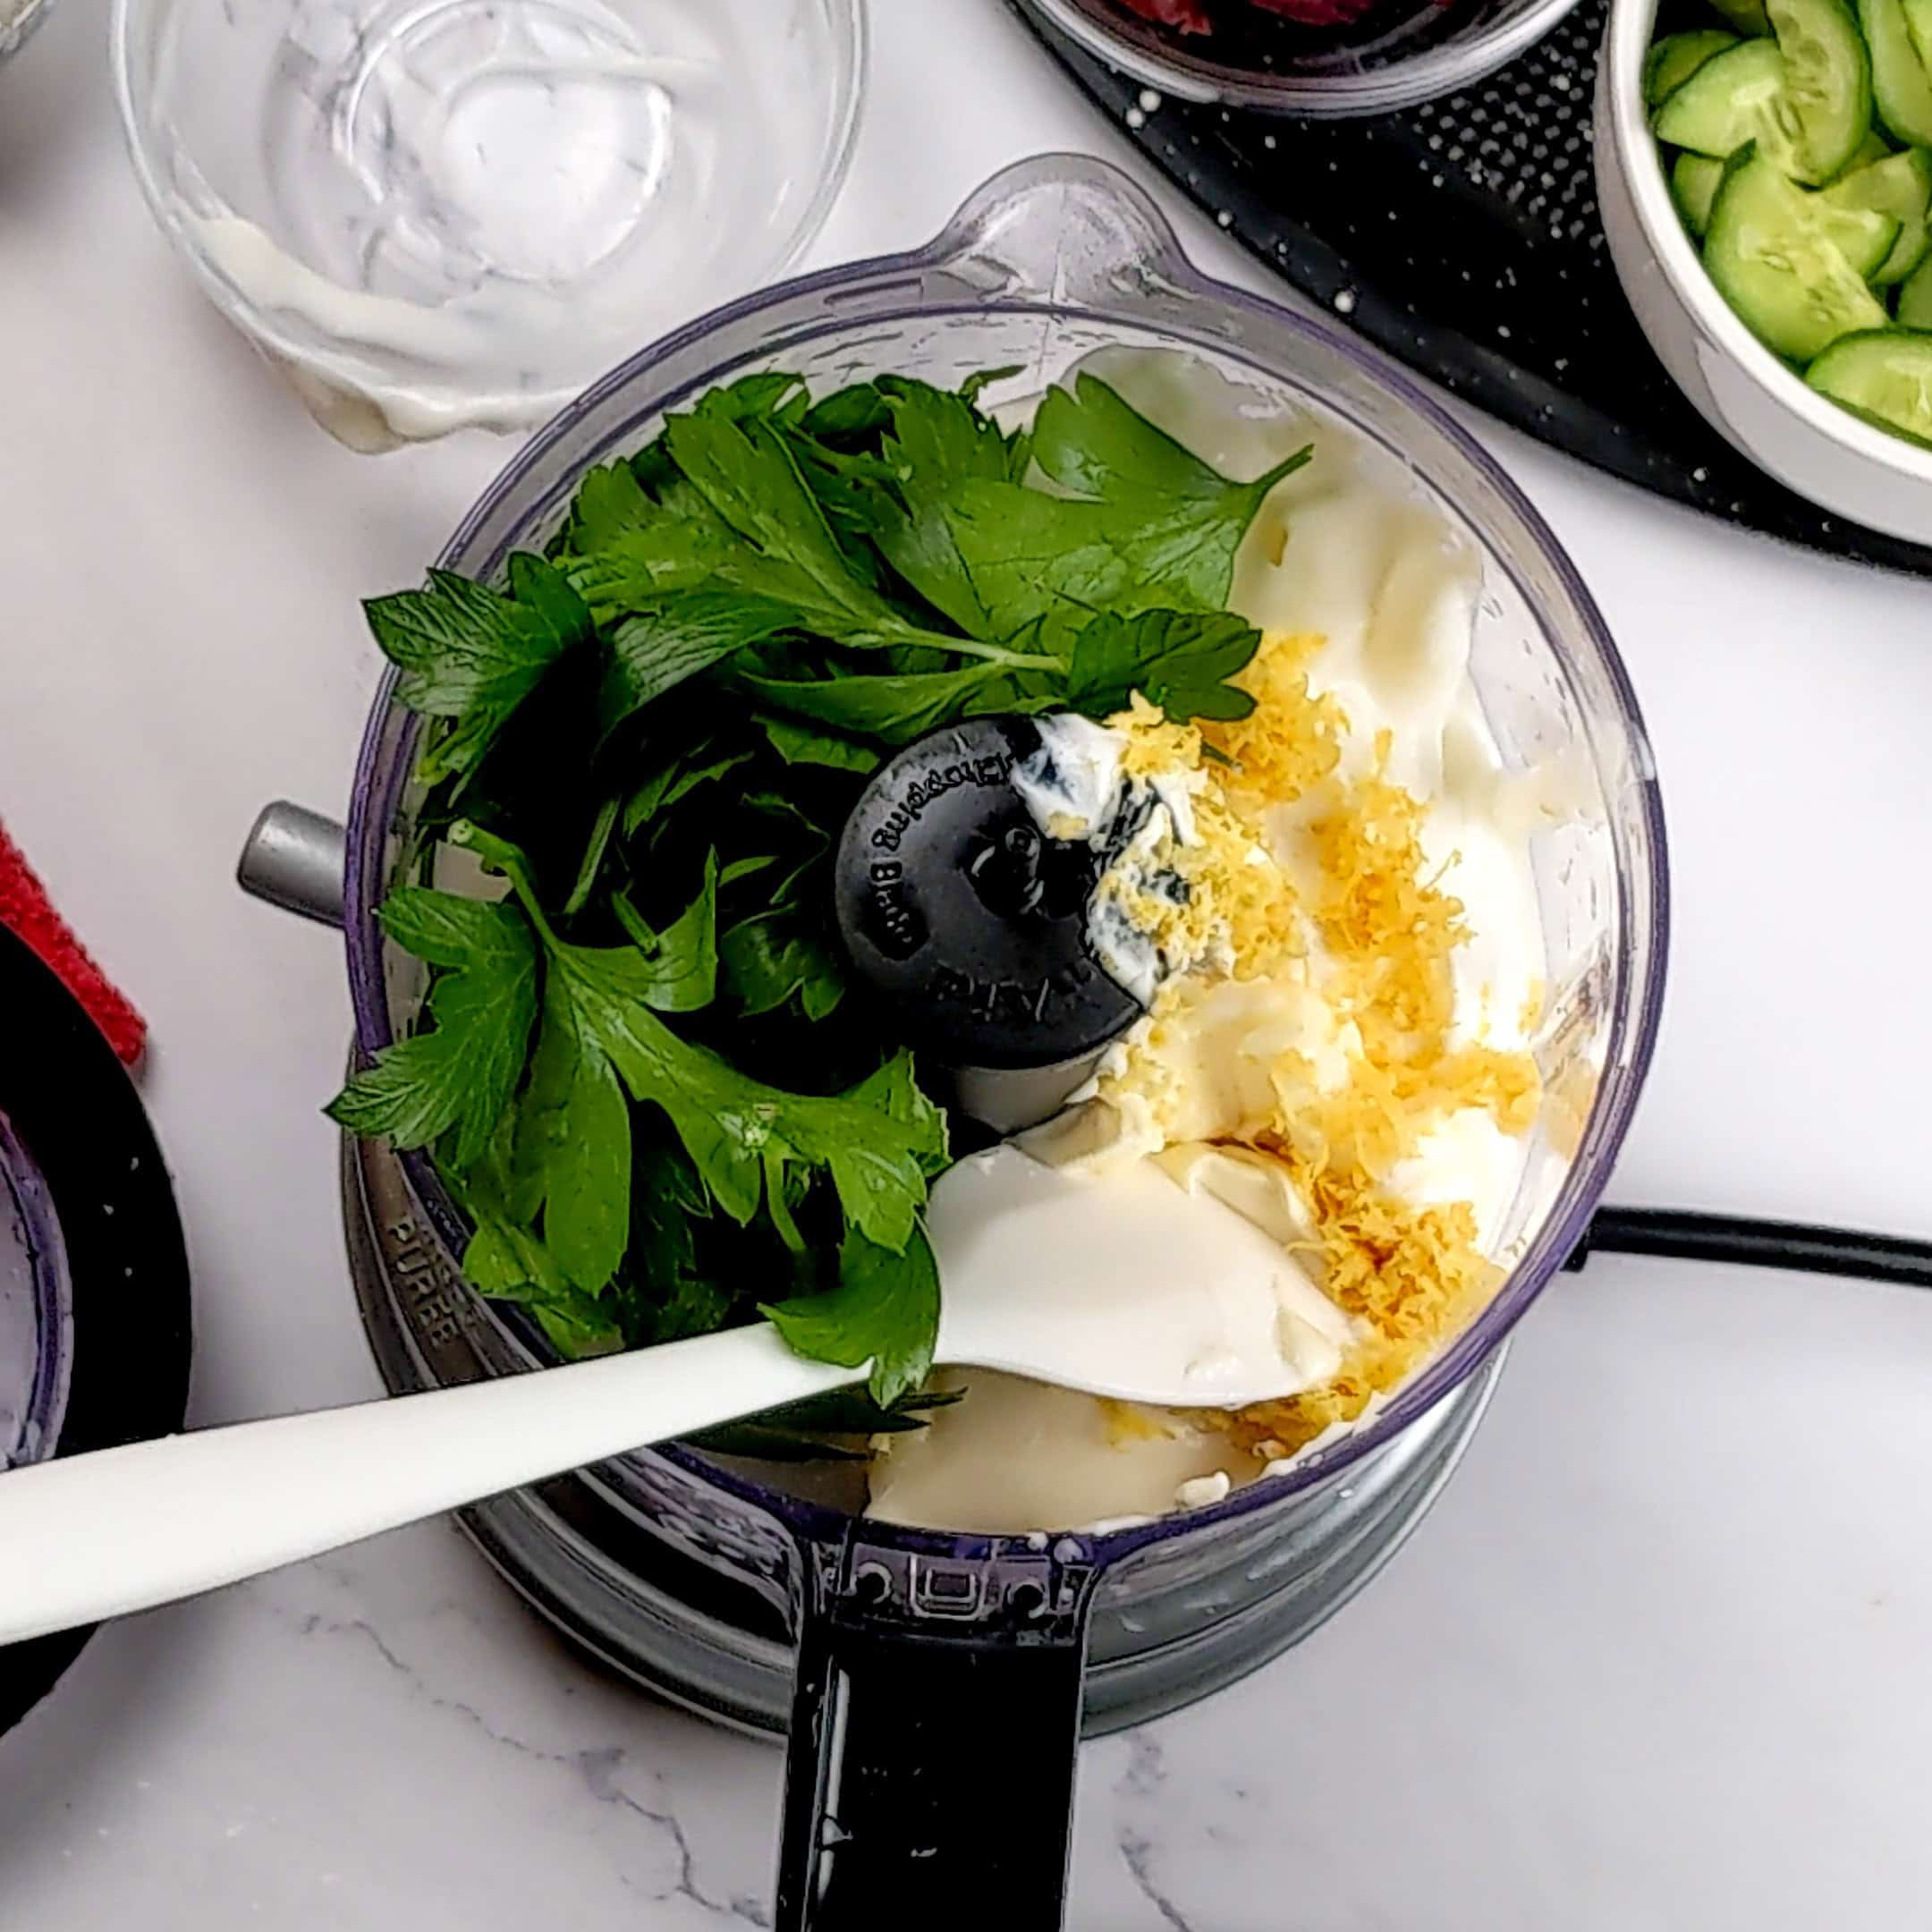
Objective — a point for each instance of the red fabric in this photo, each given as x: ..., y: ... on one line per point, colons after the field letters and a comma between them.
x: 25, y: 910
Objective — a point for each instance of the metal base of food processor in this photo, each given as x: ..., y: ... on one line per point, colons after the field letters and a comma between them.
x: 614, y: 1558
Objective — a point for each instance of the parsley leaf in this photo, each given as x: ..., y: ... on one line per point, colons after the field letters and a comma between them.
x: 1180, y: 521
x: 800, y: 744
x: 1180, y: 660
x: 639, y: 563
x: 852, y: 414
x: 730, y: 1123
x: 748, y: 477
x: 894, y: 710
x: 676, y: 778
x: 884, y: 1310
x: 687, y: 633
x: 771, y: 956
x: 609, y: 502
x: 878, y: 1141
x: 743, y: 526
x: 679, y: 974
x: 899, y: 1095
x: 601, y: 828
x: 668, y: 1205
x: 1146, y: 525
x: 512, y: 1264
x: 770, y: 393
x: 939, y: 441
x: 1040, y: 563
x: 472, y: 655
x: 459, y: 1078
x: 573, y: 1145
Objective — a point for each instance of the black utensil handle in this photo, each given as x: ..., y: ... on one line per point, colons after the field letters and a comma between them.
x: 934, y: 1724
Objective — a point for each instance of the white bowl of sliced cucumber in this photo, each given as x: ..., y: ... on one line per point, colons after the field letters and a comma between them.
x: 1764, y: 173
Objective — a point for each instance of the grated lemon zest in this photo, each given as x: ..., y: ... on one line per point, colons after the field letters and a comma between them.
x: 1385, y: 932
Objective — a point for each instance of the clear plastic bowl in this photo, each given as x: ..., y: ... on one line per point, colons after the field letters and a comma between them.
x: 1052, y: 260
x: 1398, y: 53
x: 434, y: 217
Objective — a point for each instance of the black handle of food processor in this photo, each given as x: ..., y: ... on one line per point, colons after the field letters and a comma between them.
x: 934, y: 1724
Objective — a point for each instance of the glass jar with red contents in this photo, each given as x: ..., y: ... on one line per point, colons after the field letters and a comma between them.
x: 1327, y: 59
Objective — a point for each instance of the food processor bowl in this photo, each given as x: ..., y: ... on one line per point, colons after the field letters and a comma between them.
x: 935, y: 1685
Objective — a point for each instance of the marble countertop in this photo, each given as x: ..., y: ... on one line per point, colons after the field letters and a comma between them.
x: 1661, y: 1657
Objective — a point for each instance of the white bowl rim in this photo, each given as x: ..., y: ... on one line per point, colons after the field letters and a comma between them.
x: 1629, y: 40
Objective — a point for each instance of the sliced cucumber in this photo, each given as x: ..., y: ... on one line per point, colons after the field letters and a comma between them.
x: 1676, y: 57
x: 1735, y: 98
x: 1900, y: 87
x: 1774, y: 261
x: 1900, y: 186
x: 1884, y: 375
x: 1873, y: 147
x: 1748, y: 95
x: 1908, y: 255
x: 1694, y: 181
x: 1918, y: 28
x: 1915, y: 298
x: 1828, y: 80
x: 1863, y: 236
x: 1748, y: 16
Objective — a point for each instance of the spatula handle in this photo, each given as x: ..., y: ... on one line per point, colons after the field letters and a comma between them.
x: 97, y: 1536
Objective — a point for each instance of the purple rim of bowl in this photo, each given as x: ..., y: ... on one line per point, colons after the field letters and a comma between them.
x: 1633, y: 1034
x: 26, y: 1203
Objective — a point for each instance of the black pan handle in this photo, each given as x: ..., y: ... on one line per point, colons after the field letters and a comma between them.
x: 934, y: 1724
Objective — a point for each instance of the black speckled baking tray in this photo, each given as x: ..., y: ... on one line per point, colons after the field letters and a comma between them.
x: 1463, y: 238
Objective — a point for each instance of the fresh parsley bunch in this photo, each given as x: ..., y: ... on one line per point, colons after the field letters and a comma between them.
x: 637, y: 1068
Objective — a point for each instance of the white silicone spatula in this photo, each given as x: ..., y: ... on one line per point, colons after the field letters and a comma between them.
x: 1127, y: 1287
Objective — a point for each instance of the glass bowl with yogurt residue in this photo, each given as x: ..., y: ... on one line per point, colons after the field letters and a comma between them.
x: 434, y: 217
x: 776, y: 1593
